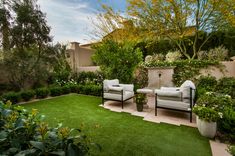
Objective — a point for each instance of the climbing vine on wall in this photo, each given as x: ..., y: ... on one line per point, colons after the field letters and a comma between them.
x: 185, y: 69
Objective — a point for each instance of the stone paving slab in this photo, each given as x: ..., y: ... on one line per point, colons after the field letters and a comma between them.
x: 219, y: 149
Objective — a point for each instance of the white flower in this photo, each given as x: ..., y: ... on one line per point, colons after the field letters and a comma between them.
x: 220, y: 115
x: 228, y: 96
x: 209, y: 93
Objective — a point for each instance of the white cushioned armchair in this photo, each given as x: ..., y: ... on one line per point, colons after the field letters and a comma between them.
x: 176, y: 98
x: 113, y: 90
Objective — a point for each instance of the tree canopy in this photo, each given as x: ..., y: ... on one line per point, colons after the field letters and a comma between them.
x: 176, y: 19
x: 185, y: 22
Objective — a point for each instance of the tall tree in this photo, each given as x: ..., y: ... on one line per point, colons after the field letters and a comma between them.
x: 29, y: 39
x: 177, y: 19
x: 5, y: 24
x: 30, y: 25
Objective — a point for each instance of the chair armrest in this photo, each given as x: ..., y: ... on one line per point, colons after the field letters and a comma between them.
x: 168, y: 93
x: 127, y: 87
x: 170, y: 88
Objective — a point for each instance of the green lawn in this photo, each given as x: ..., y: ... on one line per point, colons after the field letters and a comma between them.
x: 122, y: 134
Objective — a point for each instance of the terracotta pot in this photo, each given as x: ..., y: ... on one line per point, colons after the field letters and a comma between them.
x: 207, y: 129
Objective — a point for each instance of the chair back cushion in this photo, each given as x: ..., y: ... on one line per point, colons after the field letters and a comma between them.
x: 185, y: 89
x: 110, y: 83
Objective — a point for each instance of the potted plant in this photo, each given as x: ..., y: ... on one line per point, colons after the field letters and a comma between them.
x: 208, y: 109
x: 206, y: 120
x: 140, y: 100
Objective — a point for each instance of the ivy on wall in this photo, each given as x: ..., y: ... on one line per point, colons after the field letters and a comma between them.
x: 185, y: 69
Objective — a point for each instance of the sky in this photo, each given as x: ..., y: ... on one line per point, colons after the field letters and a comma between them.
x: 70, y: 20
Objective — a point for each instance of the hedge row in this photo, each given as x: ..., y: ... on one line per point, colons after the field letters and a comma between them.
x: 40, y: 93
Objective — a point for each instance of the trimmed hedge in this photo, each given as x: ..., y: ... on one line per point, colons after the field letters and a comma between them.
x: 27, y: 95
x: 66, y: 90
x: 14, y: 97
x: 42, y: 92
x: 56, y: 91
x: 91, y: 90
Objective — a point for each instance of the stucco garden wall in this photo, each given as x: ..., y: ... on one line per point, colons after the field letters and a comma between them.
x: 79, y: 56
x: 228, y: 70
x: 165, y: 79
x: 158, y: 77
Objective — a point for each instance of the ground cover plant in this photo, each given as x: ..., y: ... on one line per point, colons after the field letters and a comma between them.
x: 121, y: 133
x: 25, y: 133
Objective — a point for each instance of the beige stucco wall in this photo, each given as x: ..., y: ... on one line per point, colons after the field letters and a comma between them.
x: 79, y: 56
x: 84, y: 56
x: 154, y: 81
x: 158, y: 77
x: 228, y: 70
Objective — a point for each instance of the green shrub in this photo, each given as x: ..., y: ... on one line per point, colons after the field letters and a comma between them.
x: 219, y: 53
x: 207, y: 82
x: 226, y: 125
x: 14, y: 97
x: 231, y: 150
x: 24, y: 133
x: 66, y: 89
x: 173, y: 56
x: 74, y: 88
x: 216, y: 101
x: 56, y: 91
x: 200, y: 92
x: 226, y: 85
x: 206, y: 113
x: 117, y: 60
x: 202, y: 55
x: 94, y: 90
x: 89, y: 77
x: 27, y: 95
x: 42, y: 92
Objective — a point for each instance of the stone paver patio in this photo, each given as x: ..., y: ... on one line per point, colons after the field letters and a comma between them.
x: 164, y: 116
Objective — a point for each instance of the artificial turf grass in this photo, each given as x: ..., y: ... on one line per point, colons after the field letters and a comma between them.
x: 121, y: 133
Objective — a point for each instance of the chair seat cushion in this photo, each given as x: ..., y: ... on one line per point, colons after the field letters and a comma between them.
x: 174, y: 105
x: 126, y: 96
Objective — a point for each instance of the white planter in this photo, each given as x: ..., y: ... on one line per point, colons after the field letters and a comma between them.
x: 207, y: 129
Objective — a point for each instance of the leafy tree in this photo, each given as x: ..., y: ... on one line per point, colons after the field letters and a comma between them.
x: 177, y: 19
x: 21, y: 67
x: 5, y: 24
x: 111, y: 25
x: 30, y: 25
x: 25, y: 38
x: 56, y: 57
x: 117, y: 60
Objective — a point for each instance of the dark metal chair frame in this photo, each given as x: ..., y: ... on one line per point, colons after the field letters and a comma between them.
x: 189, y: 111
x: 118, y: 92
